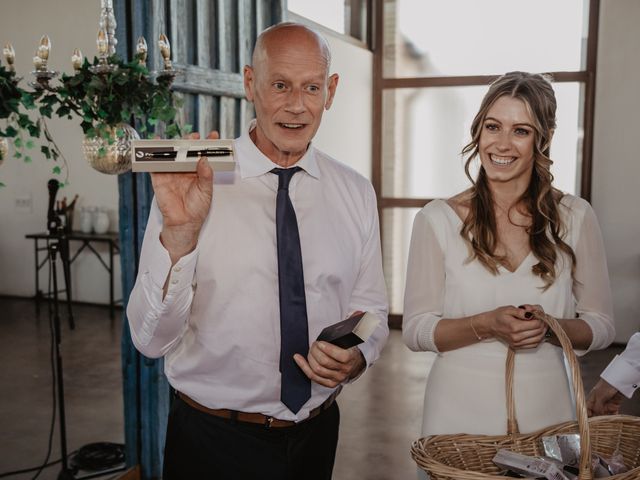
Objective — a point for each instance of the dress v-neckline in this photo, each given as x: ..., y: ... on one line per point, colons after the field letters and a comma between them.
x: 501, y: 267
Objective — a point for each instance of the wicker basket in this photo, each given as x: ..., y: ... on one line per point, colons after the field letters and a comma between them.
x: 469, y: 457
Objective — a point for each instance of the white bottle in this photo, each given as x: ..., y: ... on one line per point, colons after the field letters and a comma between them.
x: 86, y: 219
x: 101, y: 221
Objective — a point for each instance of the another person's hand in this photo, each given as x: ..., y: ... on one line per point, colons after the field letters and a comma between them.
x: 516, y: 327
x: 604, y: 399
x: 184, y: 200
x: 329, y: 365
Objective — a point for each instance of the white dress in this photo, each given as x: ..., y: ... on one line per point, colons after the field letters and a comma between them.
x: 465, y: 391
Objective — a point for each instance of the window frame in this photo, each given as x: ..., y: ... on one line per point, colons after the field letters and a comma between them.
x: 358, y: 24
x: 586, y: 77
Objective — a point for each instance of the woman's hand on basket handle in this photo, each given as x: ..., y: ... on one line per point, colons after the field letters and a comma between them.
x: 516, y: 326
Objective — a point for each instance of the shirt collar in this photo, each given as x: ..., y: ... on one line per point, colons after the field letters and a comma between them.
x: 254, y: 163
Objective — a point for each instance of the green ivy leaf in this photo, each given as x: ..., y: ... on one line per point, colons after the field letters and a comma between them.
x: 34, y: 130
x: 27, y: 159
x: 46, y: 110
x: 56, y: 170
x: 29, y: 144
x: 28, y: 101
x: 45, y: 151
x: 18, y: 142
x: 172, y: 131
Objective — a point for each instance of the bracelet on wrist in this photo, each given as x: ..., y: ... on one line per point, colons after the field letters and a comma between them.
x: 474, y: 330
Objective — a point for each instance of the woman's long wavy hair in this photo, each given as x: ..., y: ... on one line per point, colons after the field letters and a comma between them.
x: 540, y: 200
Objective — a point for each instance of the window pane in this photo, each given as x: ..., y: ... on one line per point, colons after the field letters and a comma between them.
x: 425, y: 130
x: 471, y: 37
x: 396, y: 235
x: 329, y: 13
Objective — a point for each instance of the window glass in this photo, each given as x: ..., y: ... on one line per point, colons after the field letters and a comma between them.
x: 396, y: 236
x: 329, y: 13
x: 425, y: 129
x: 472, y: 37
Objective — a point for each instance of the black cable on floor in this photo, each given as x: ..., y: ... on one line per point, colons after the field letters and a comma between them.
x: 46, y: 463
x: 98, y: 456
x: 28, y: 470
x: 53, y: 384
x: 92, y: 457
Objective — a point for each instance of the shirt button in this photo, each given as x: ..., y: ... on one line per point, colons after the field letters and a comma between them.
x: 635, y: 385
x: 177, y: 269
x: 174, y: 282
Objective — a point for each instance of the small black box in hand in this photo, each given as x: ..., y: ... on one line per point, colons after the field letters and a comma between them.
x: 350, y: 332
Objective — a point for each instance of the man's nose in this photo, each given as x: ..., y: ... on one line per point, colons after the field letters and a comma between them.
x: 295, y: 101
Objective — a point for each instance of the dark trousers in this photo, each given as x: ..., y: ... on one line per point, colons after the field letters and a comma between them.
x: 203, y: 446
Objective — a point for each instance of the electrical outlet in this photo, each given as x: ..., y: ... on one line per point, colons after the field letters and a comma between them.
x: 24, y: 204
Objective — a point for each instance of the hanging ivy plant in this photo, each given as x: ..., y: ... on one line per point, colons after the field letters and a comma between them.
x: 120, y: 95
x: 18, y: 125
x: 101, y: 98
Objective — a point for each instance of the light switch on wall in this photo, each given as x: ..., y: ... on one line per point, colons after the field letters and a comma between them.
x: 24, y: 204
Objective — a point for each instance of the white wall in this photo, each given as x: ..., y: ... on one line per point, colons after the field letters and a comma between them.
x: 69, y: 24
x: 616, y: 157
x: 345, y: 132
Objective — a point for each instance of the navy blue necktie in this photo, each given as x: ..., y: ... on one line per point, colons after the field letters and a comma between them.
x: 294, y: 333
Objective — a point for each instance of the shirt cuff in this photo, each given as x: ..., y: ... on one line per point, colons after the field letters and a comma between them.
x: 180, y: 276
x: 622, y: 375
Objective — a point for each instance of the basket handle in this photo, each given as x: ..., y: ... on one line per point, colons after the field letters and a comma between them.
x: 576, y: 380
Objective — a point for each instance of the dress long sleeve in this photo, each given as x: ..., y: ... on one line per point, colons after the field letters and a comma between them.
x: 591, y: 286
x: 424, y: 289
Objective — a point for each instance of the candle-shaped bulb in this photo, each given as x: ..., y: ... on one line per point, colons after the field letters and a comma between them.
x: 141, y: 49
x: 165, y: 50
x: 76, y: 59
x: 38, y: 62
x: 9, y: 55
x: 44, y: 48
x: 102, y: 43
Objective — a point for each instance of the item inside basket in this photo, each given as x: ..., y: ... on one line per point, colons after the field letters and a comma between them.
x: 539, y: 467
x: 561, y: 461
x: 566, y: 449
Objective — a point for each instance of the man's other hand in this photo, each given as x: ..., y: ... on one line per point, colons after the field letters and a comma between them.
x: 604, y: 399
x: 329, y: 365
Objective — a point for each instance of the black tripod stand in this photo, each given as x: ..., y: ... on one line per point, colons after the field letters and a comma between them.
x: 59, y: 246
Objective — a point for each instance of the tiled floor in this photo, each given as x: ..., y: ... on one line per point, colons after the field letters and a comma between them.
x: 380, y: 412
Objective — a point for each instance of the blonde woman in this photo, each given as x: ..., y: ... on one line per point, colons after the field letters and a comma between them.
x: 482, y: 261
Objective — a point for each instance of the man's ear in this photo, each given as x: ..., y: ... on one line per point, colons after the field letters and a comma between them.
x: 331, y: 90
x: 248, y: 80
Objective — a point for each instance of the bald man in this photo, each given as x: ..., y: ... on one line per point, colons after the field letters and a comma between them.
x: 214, y: 279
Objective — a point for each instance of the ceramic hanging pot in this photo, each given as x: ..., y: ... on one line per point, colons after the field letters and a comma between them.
x: 4, y: 149
x: 111, y: 156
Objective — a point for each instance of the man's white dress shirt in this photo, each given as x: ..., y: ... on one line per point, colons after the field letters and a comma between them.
x: 219, y: 324
x: 623, y: 373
